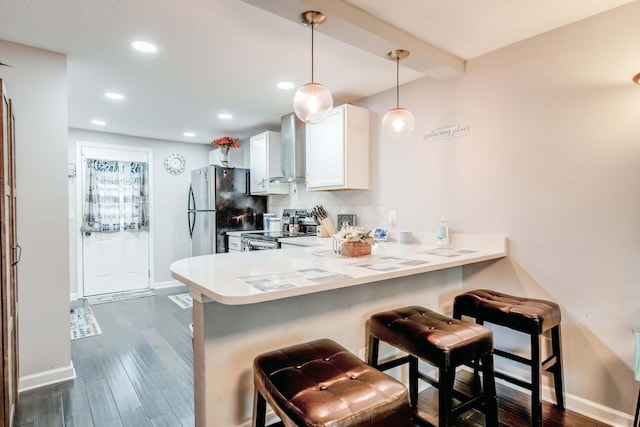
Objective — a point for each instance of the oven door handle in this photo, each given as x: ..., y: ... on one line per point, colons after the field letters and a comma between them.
x: 262, y: 245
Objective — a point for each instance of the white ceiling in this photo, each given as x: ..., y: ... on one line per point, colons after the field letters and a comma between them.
x: 227, y: 55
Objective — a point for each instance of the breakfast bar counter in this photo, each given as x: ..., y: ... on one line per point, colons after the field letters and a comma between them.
x: 247, y: 303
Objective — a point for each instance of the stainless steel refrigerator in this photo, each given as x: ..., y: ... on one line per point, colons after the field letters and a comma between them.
x: 220, y: 201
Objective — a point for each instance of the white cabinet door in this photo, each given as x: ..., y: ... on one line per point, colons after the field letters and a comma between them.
x: 325, y: 152
x: 258, y: 162
x: 265, y: 163
x: 235, y: 243
x: 338, y: 150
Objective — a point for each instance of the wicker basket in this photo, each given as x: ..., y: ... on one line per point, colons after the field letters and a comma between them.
x: 355, y: 249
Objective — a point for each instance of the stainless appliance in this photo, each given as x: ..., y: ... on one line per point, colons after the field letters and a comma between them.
x: 295, y: 223
x: 292, y: 149
x: 219, y: 201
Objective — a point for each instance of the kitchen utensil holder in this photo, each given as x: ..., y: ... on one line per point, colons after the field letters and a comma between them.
x: 326, y: 228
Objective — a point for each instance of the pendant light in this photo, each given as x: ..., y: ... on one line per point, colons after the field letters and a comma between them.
x: 636, y: 79
x: 312, y: 102
x: 398, y: 122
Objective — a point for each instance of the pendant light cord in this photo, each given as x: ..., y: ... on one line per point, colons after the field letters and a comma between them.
x: 397, y: 82
x: 312, y: 28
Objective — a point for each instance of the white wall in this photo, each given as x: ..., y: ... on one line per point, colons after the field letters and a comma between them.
x: 170, y: 193
x: 37, y: 83
x: 552, y: 162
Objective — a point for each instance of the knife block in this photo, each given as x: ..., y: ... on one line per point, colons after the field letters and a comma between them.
x: 326, y: 228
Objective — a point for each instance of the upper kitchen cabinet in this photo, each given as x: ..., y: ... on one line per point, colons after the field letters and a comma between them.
x: 337, y: 150
x: 264, y: 160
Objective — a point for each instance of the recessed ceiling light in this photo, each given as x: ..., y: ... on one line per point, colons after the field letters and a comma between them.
x: 98, y: 122
x: 143, y: 46
x: 285, y: 85
x: 189, y: 134
x: 225, y: 116
x: 114, y: 95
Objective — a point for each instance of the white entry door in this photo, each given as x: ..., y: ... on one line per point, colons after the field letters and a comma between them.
x: 116, y: 261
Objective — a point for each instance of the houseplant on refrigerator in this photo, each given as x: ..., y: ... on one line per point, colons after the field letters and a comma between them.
x: 224, y: 144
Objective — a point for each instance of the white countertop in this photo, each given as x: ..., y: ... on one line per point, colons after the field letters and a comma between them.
x: 289, y: 272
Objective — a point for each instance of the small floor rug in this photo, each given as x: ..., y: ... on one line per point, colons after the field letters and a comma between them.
x: 83, y: 323
x: 183, y: 300
x: 119, y: 296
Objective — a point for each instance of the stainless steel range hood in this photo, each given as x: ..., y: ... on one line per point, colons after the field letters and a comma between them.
x: 292, y: 149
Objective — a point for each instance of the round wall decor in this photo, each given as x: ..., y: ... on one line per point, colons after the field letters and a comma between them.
x: 175, y: 164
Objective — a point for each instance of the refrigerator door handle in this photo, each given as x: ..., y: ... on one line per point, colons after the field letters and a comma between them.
x: 191, y: 203
x: 192, y: 224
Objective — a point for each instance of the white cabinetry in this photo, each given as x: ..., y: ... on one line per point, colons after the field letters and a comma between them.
x: 264, y: 158
x: 338, y: 150
x: 235, y: 243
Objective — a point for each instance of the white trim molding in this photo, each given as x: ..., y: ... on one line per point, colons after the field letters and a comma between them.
x: 590, y: 409
x: 167, y: 284
x: 82, y: 147
x: 44, y: 378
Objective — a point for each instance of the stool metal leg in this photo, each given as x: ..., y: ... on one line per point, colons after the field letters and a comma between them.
x: 372, y: 351
x: 445, y: 397
x: 536, y: 403
x: 413, y: 381
x: 489, y: 390
x: 259, y: 409
x: 556, y: 345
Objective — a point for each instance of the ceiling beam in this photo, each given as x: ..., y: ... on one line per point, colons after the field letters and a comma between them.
x: 364, y: 31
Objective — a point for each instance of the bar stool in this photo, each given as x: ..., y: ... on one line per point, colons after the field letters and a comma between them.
x: 444, y: 343
x: 530, y: 316
x: 320, y: 383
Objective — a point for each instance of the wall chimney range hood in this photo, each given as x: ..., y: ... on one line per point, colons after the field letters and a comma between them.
x: 292, y: 149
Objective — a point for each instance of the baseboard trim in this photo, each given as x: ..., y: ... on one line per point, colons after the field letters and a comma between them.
x: 582, y: 406
x: 41, y: 379
x: 169, y: 284
x: 590, y: 409
x: 74, y: 296
x: 574, y: 403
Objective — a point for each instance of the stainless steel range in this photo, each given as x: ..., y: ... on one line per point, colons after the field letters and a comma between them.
x: 295, y: 223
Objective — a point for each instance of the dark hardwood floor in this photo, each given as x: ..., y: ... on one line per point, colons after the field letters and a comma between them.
x: 513, y: 408
x: 139, y: 372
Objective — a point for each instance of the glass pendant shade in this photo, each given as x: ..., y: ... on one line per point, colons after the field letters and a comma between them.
x: 398, y: 123
x: 312, y: 103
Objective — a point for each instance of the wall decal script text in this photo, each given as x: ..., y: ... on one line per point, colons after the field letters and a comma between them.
x: 447, y: 132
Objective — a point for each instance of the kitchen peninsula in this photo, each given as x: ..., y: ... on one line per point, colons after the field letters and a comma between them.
x: 247, y: 303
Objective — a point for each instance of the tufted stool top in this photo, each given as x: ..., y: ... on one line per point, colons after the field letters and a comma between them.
x: 320, y: 383
x: 523, y: 314
x: 431, y: 336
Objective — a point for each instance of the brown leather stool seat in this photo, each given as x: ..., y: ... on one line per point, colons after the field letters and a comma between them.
x: 443, y: 342
x: 320, y: 383
x: 530, y: 316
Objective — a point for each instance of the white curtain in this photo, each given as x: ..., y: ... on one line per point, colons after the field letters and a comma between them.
x: 116, y: 196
